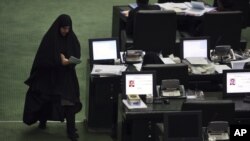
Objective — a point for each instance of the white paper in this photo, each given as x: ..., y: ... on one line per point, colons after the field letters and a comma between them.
x: 197, y: 61
x: 220, y: 68
x: 239, y: 64
x: 108, y: 69
x: 141, y: 105
x: 138, y: 66
x: 167, y: 61
x: 185, y: 7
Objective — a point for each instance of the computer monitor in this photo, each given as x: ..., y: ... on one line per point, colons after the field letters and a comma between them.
x: 139, y: 83
x: 236, y: 83
x: 183, y: 126
x: 195, y: 47
x: 212, y: 110
x: 103, y: 49
x: 169, y: 71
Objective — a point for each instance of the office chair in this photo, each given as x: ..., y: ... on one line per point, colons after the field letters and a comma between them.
x: 169, y: 71
x: 243, y: 6
x: 224, y: 28
x: 247, y: 65
x: 154, y: 31
x: 212, y: 110
x: 176, y: 126
x: 234, y: 5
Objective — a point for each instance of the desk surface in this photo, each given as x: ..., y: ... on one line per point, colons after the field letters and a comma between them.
x: 176, y: 104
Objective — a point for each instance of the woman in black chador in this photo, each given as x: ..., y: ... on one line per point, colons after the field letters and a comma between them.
x: 53, y: 92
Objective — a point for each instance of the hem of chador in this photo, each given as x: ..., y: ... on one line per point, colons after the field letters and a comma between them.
x: 65, y: 102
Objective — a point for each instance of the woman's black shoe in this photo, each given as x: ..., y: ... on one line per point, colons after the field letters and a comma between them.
x: 73, y: 135
x: 42, y: 125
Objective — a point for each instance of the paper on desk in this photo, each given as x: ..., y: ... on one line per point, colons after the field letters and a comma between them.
x: 108, y: 69
x: 177, y: 7
x: 197, y: 60
x: 141, y: 105
x: 220, y: 68
x: 138, y: 66
x: 239, y: 64
x: 167, y: 61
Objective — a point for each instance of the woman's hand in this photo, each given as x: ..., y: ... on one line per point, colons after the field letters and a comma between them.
x: 64, y: 60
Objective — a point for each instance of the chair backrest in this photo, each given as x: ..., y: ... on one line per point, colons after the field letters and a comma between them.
x: 212, y: 110
x: 177, y: 126
x: 247, y: 65
x: 169, y: 71
x: 155, y: 31
x: 223, y: 28
x: 243, y: 6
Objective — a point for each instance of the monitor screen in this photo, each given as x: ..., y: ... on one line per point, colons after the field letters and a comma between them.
x: 236, y: 82
x: 178, y: 125
x: 103, y: 49
x: 195, y: 47
x: 139, y: 83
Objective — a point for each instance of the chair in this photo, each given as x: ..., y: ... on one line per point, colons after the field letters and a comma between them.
x: 243, y: 6
x: 154, y: 31
x: 176, y: 126
x: 247, y: 65
x: 169, y: 71
x: 212, y: 110
x: 237, y: 5
x: 224, y: 28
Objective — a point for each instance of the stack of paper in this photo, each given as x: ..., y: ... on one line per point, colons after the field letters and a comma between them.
x: 239, y: 64
x: 220, y: 68
x: 167, y: 61
x: 197, y: 60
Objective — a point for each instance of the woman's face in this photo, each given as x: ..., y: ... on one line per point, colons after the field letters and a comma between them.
x: 64, y: 30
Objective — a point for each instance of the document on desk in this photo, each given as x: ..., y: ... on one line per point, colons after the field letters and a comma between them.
x: 141, y: 105
x: 167, y: 61
x: 197, y: 8
x: 138, y: 66
x: 107, y: 70
x: 239, y: 64
x: 197, y: 60
x: 177, y: 7
x: 220, y: 68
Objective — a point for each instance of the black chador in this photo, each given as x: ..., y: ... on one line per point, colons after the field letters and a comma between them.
x: 53, y: 92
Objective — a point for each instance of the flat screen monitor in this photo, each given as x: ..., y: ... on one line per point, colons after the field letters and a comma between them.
x: 195, y: 47
x: 103, y: 49
x: 236, y: 83
x: 169, y: 71
x: 212, y: 110
x: 139, y: 83
x: 183, y: 125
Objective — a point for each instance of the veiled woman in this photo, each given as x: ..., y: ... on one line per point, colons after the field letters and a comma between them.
x: 53, y: 92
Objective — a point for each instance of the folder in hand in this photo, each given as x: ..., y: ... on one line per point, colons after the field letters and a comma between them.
x: 74, y: 60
